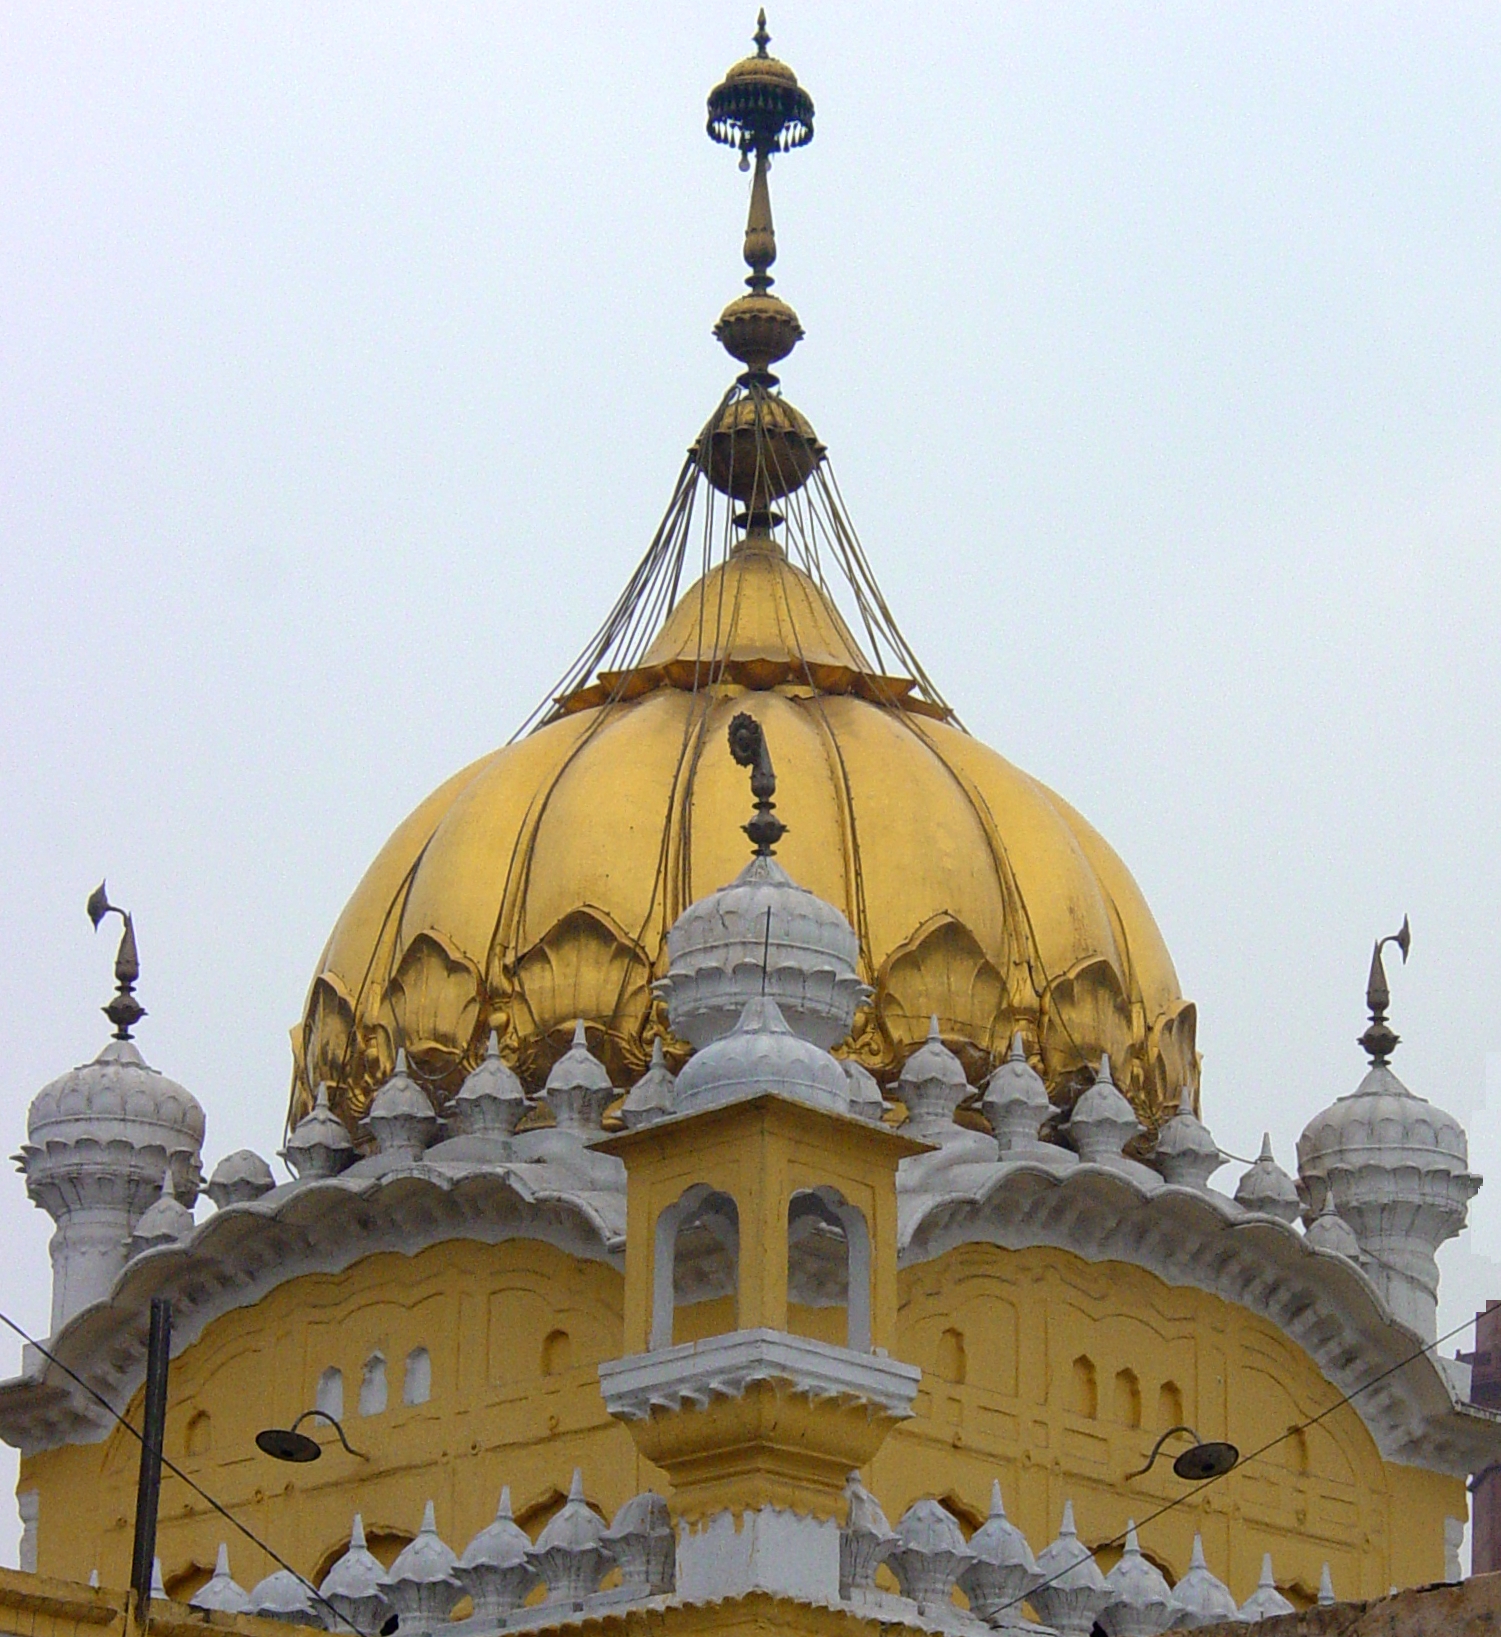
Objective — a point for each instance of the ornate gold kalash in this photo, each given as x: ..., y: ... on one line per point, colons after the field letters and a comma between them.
x: 536, y: 887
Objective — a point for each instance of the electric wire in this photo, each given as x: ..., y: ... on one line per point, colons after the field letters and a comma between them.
x: 177, y: 1472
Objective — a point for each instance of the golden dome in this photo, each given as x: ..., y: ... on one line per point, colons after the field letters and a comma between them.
x: 536, y: 887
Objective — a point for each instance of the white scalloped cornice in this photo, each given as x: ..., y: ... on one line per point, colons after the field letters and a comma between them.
x: 240, y: 1254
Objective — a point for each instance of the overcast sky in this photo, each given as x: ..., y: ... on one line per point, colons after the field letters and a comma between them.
x: 348, y: 353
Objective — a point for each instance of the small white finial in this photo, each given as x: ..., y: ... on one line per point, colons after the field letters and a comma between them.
x: 504, y: 1509
x: 997, y: 1509
x: 221, y: 1562
x: 580, y: 1039
x: 657, y: 1060
x: 576, y: 1488
x: 1266, y: 1147
x: 94, y: 1579
x: 401, y: 1062
x: 1067, y: 1526
x: 357, y: 1534
x: 933, y: 1033
x: 1018, y: 1052
x: 1267, y: 1581
x: 1104, y: 1074
x: 1196, y: 1560
x: 429, y: 1521
x: 158, y: 1589
x: 1326, y: 1588
x: 493, y: 1049
x: 1133, y: 1547
x: 168, y: 1190
x: 1186, y: 1100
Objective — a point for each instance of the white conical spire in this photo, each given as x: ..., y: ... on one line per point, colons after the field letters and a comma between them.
x: 1326, y: 1588
x: 1103, y: 1121
x: 1266, y: 1600
x: 1267, y: 1189
x: 1187, y: 1155
x: 220, y: 1591
x: 1200, y: 1598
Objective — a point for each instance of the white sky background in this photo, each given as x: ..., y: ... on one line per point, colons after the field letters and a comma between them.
x: 348, y: 353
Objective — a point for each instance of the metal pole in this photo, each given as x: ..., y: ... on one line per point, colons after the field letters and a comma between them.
x: 153, y: 1431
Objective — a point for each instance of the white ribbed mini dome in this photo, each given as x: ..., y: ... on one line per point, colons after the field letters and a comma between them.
x: 762, y: 1054
x: 723, y: 951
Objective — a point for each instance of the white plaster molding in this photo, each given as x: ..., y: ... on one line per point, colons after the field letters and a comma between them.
x: 243, y: 1252
x: 1186, y: 1236
x: 724, y: 1366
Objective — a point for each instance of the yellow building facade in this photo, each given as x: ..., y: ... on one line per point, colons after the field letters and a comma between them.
x: 777, y: 1187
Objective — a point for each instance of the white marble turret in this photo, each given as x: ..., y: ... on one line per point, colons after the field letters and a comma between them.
x: 1016, y: 1103
x: 355, y: 1585
x: 491, y: 1101
x: 1072, y: 1594
x: 320, y: 1144
x: 221, y: 1593
x: 932, y: 1085
x: 1103, y: 1121
x: 1266, y: 1187
x: 239, y: 1178
x: 762, y: 934
x: 1398, y: 1171
x: 494, y: 1569
x: 1003, y: 1572
x: 1201, y: 1598
x: 422, y: 1585
x: 652, y: 1097
x: 759, y: 1054
x: 571, y: 1554
x: 1396, y: 1168
x: 1186, y: 1153
x: 578, y: 1090
x: 1266, y: 1601
x: 1141, y: 1601
x: 98, y: 1141
x: 401, y: 1118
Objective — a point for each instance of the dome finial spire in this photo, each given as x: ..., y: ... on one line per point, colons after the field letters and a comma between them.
x: 124, y: 1010
x: 760, y: 109
x: 1380, y: 1039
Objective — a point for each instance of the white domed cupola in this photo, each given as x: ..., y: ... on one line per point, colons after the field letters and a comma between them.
x: 762, y: 934
x: 1395, y: 1167
x: 99, y: 1140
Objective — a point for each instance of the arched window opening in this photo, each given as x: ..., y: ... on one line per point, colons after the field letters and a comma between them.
x: 1127, y: 1398
x: 328, y: 1395
x: 1086, y: 1392
x: 373, y: 1385
x: 1169, y: 1406
x: 828, y: 1259
x: 557, y: 1353
x: 696, y: 1261
x: 417, y: 1377
x: 952, y: 1363
x: 200, y: 1439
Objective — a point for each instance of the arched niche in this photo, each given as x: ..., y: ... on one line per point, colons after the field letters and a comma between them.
x: 695, y: 1256
x: 828, y: 1258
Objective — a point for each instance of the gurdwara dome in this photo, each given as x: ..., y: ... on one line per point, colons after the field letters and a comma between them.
x: 536, y: 887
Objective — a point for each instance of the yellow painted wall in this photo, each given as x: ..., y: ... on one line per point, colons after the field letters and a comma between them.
x: 1009, y: 1343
